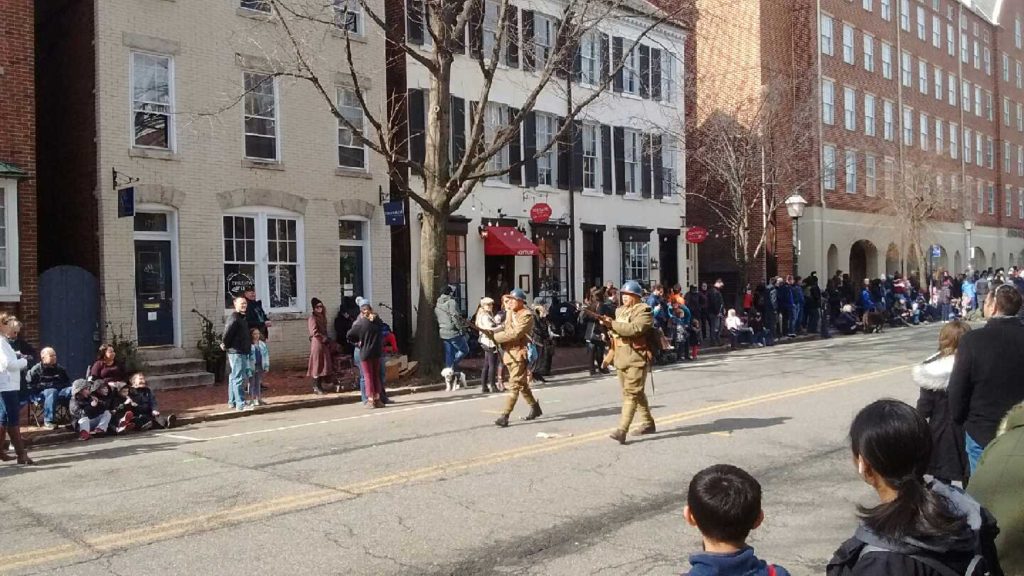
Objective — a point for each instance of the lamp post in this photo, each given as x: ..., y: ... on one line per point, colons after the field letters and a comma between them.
x: 795, y: 207
x: 968, y: 227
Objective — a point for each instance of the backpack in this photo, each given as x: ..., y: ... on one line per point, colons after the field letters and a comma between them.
x: 975, y: 568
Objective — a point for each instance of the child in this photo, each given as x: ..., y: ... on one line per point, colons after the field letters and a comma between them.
x: 90, y: 416
x: 121, y: 409
x: 143, y: 401
x: 259, y: 362
x: 694, y: 338
x: 724, y: 503
x: 949, y: 457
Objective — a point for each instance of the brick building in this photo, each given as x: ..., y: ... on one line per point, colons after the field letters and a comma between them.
x: 918, y: 126
x: 18, y: 225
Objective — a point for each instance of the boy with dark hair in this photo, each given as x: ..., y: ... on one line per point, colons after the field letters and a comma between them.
x: 724, y: 503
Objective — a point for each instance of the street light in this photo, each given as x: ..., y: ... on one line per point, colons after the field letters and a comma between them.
x: 795, y: 207
x: 968, y: 227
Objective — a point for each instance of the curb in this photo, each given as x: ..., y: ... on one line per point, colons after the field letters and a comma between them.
x: 352, y: 398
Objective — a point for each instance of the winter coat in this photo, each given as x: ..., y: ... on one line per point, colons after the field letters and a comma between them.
x: 255, y: 316
x: 81, y: 405
x: 237, y: 339
x: 741, y: 563
x: 955, y: 551
x: 716, y: 304
x: 798, y: 295
x: 264, y: 358
x: 10, y: 367
x: 144, y: 399
x: 784, y: 297
x: 485, y: 321
x: 111, y: 373
x: 43, y: 376
x: 996, y: 485
x: 319, y: 352
x: 366, y: 335
x: 449, y: 317
x: 867, y: 303
x: 948, y: 453
x: 988, y: 377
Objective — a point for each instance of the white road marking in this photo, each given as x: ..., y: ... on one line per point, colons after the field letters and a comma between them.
x: 181, y: 437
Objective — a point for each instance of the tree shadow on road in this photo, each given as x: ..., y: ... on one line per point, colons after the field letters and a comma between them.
x: 122, y: 448
x: 727, y: 425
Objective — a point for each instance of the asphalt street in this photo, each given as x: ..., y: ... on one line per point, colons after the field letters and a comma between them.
x: 431, y: 486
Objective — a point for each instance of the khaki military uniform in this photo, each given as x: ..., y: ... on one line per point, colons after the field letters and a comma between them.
x: 513, y: 339
x: 631, y: 362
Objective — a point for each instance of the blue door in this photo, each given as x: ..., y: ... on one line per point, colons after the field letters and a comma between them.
x: 69, y: 316
x: 154, y: 296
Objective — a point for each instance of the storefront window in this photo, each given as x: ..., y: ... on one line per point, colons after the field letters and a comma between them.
x: 456, y: 267
x: 551, y: 267
x: 264, y: 250
x: 636, y: 260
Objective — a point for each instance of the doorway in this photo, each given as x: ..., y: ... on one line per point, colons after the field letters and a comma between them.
x: 155, y: 282
x: 593, y: 257
x: 499, y: 274
x: 668, y: 255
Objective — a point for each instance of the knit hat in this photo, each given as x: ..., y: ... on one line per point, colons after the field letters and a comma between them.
x: 78, y: 385
x: 315, y: 302
x: 360, y: 301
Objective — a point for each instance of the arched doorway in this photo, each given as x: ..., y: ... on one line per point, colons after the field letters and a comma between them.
x: 863, y: 261
x: 833, y: 260
x: 914, y: 269
x: 958, y: 263
x: 980, y: 262
x: 995, y: 260
x: 892, y: 259
x: 942, y: 263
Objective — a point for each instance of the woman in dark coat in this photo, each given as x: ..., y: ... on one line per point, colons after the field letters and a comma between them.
x: 319, y: 347
x: 106, y: 366
x: 949, y: 457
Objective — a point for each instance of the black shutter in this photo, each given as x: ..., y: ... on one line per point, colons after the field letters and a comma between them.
x: 515, y: 153
x: 577, y: 63
x: 576, y: 137
x: 606, y: 159
x: 659, y: 167
x: 530, y: 147
x: 512, y: 37
x: 476, y: 28
x: 655, y: 74
x: 605, y: 59
x: 414, y: 21
x: 617, y: 61
x: 645, y: 71
x: 646, y: 166
x: 417, y: 125
x: 560, y: 51
x: 458, y: 130
x: 620, y: 160
x: 564, y: 156
x: 529, y: 52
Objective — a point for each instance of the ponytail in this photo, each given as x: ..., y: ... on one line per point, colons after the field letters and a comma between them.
x: 916, y: 511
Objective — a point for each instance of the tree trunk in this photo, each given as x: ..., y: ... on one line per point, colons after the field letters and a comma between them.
x: 433, y: 274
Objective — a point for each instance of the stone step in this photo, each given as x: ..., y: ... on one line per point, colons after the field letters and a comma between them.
x: 174, y: 366
x: 174, y: 381
x: 154, y: 353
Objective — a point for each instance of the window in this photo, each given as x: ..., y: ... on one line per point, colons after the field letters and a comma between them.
x: 977, y: 100
x: 869, y: 115
x: 590, y: 59
x: 1006, y: 67
x: 965, y: 49
x: 886, y: 60
x: 981, y: 198
x: 869, y: 175
x: 908, y: 127
x: 348, y: 15
x: 951, y: 88
x: 455, y: 267
x: 990, y: 152
x: 978, y: 149
x: 950, y: 40
x: 885, y: 9
x: 851, y: 172
x: 1020, y: 117
x: 869, y: 53
x: 991, y: 199
x: 636, y: 261
x: 989, y: 105
x: 828, y: 101
x: 923, y: 127
x: 968, y: 143
x: 936, y: 32
x: 547, y: 169
x: 1020, y: 203
x: 492, y: 15
x: 1006, y: 111
x: 849, y: 108
x: 353, y: 256
x: 905, y: 15
x: 152, y: 100
x: 987, y: 56
x: 1007, y: 160
x: 496, y: 116
x: 954, y: 141
x: 351, y: 149
x: 544, y: 41
x: 965, y: 92
x: 266, y: 248
x: 632, y: 155
x: 887, y: 120
x: 261, y: 127
x: 591, y: 156
x: 1008, y: 193
x: 827, y: 40
x: 905, y: 68
x: 937, y: 80
x: 977, y: 55
x: 1020, y: 160
x: 1017, y: 32
x: 255, y: 6
x: 940, y: 135
x: 669, y: 151
x: 668, y: 76
x: 889, y: 176
x: 867, y: 5
x: 847, y: 43
x: 631, y: 72
x: 551, y: 266
x: 922, y: 25
x: 1020, y: 74
x: 9, y: 254
x: 922, y: 76
x: 828, y: 176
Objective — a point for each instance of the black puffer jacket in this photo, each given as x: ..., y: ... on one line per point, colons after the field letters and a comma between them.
x: 949, y: 457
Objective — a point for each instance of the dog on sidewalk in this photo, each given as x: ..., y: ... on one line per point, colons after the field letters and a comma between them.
x: 453, y: 380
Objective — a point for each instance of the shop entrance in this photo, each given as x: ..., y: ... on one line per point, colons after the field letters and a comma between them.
x: 498, y: 276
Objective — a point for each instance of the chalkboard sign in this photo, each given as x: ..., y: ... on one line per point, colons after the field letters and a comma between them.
x: 237, y: 283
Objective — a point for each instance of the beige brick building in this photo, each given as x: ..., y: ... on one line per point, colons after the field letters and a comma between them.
x: 240, y: 171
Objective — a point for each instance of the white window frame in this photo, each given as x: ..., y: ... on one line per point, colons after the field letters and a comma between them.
x: 906, y: 72
x: 826, y: 41
x: 669, y: 168
x: 922, y: 77
x: 850, y: 171
x: 885, y: 9
x: 977, y: 100
x: 1020, y: 203
x: 940, y: 136
x: 497, y: 115
x: 867, y: 5
x: 489, y: 31
x: 11, y: 292
x: 344, y: 8
x: 922, y: 125
x: 869, y: 53
x: 987, y: 58
x: 1020, y: 160
x: 979, y: 150
x: 1006, y: 67
x: 261, y: 214
x: 908, y: 126
x: 888, y: 121
x: 990, y: 152
x: 1020, y: 117
x: 849, y: 108
x: 544, y: 44
x: 632, y: 156
x: 276, y: 118
x: 951, y: 85
x: 870, y: 175
x: 848, y: 44
x: 954, y: 141
x: 886, y: 60
x: 342, y: 107
x: 950, y: 40
x: 968, y: 145
x: 869, y: 115
x: 828, y: 101
x: 965, y: 96
x: 828, y: 161
x: 991, y: 198
x: 1017, y: 33
x: 1006, y: 111
x: 547, y: 164
x: 594, y: 132
x: 905, y: 15
x: 922, y: 25
x: 171, y: 139
x: 1007, y: 156
x: 937, y: 82
x: 590, y: 60
x: 1020, y: 74
x: 965, y: 49
x: 989, y: 105
x: 631, y: 72
x: 977, y: 55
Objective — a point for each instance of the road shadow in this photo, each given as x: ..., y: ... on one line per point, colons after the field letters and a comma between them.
x: 720, y: 425
x: 593, y: 413
x: 12, y: 469
x: 118, y: 448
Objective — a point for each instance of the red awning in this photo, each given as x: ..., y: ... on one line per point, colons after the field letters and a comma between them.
x: 507, y: 241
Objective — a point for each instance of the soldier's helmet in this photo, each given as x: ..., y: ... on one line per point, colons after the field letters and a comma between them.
x: 518, y: 295
x: 632, y: 287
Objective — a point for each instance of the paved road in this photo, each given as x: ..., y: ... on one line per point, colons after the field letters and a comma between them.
x: 431, y: 487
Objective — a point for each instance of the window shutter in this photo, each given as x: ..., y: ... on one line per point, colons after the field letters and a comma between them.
x: 606, y: 159
x: 512, y: 37
x: 645, y: 71
x: 577, y: 64
x: 560, y: 52
x: 529, y: 51
x: 646, y: 165
x: 417, y: 126
x: 458, y: 143
x: 655, y: 74
x: 530, y: 147
x: 515, y: 153
x: 617, y: 61
x: 475, y: 26
x: 414, y: 21
x: 576, y: 137
x: 620, y: 159
x: 659, y: 167
x: 605, y: 68
x: 564, y: 157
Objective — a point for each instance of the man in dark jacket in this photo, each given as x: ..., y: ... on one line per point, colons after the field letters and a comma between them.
x: 769, y: 311
x: 237, y: 342
x: 716, y: 308
x: 986, y: 380
x: 366, y: 334
x: 254, y: 313
x: 784, y: 297
x: 812, y: 302
x: 48, y: 383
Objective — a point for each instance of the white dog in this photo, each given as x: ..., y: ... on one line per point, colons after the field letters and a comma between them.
x: 453, y: 380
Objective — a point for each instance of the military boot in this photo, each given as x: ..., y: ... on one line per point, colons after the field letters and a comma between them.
x: 502, y: 421
x: 535, y: 412
x: 619, y: 436
x: 643, y: 430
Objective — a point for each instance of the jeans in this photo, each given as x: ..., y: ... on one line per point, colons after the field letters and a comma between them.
x: 787, y: 319
x: 236, y: 379
x: 716, y: 329
x: 371, y: 375
x: 974, y: 451
x: 362, y: 377
x: 947, y: 311
x: 769, y: 329
x: 813, y: 317
x: 794, y: 322
x: 49, y: 397
x: 254, y: 385
x: 455, y: 349
x: 489, y: 375
x: 92, y: 424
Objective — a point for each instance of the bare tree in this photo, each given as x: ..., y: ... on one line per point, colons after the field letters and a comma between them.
x: 915, y: 200
x: 448, y: 177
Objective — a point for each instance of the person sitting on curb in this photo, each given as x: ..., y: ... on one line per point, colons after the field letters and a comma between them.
x: 48, y: 383
x: 738, y: 331
x: 115, y: 396
x: 144, y: 405
x: 90, y: 416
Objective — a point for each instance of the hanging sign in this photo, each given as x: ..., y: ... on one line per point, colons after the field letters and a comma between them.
x: 696, y: 234
x: 540, y: 213
x: 394, y: 213
x: 237, y: 283
x: 126, y: 202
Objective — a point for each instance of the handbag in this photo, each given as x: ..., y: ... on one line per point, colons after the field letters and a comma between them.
x: 531, y: 352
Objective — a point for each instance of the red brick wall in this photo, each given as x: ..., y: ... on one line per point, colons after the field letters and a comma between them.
x: 18, y: 145
x: 1005, y: 43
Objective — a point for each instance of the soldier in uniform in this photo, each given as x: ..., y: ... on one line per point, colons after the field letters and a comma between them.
x: 632, y: 359
x: 513, y: 338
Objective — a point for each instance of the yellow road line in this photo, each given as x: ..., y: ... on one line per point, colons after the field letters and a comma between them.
x: 239, y: 514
